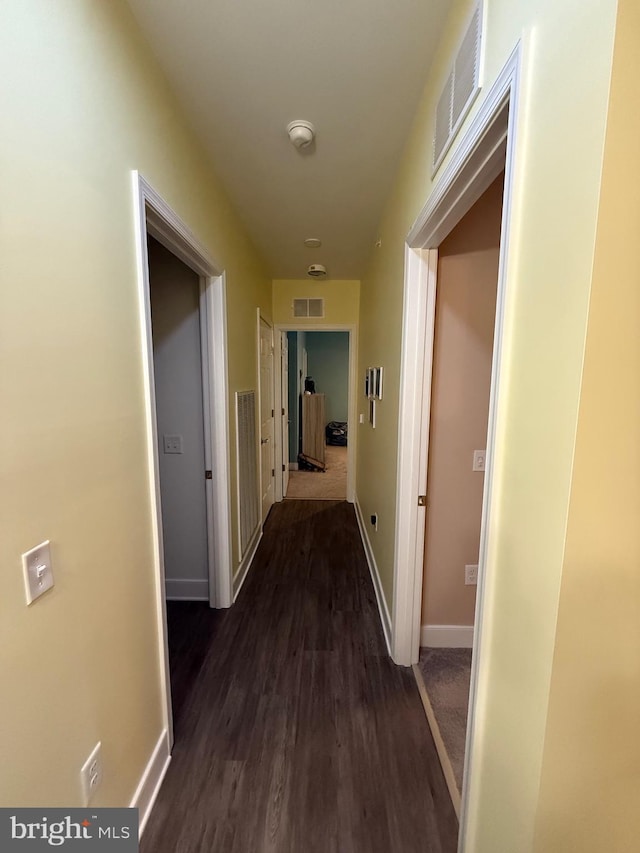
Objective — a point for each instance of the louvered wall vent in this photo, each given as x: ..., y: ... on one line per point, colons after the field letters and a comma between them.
x: 460, y: 90
x: 308, y: 307
x: 248, y: 491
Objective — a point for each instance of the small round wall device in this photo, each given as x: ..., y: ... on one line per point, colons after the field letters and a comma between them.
x: 317, y: 270
x: 301, y: 133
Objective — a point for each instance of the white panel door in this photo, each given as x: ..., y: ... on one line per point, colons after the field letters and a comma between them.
x: 267, y: 449
x: 285, y: 413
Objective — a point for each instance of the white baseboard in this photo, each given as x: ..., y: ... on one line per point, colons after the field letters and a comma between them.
x: 180, y: 589
x: 151, y: 780
x: 375, y: 577
x: 293, y: 466
x: 446, y: 636
x: 245, y: 563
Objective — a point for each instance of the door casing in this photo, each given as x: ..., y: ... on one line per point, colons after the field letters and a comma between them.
x: 153, y: 216
x: 284, y: 408
x: 267, y: 442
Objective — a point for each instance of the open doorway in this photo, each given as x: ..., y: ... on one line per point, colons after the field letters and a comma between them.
x: 180, y: 416
x: 179, y: 378
x: 465, y: 313
x: 183, y: 331
x: 318, y: 405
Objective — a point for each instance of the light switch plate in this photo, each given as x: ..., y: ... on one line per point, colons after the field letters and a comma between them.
x: 37, y: 570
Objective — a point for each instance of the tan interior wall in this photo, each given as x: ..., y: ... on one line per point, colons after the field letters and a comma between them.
x: 463, y: 349
x: 590, y: 787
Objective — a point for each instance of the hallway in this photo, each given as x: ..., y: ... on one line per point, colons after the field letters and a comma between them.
x: 298, y: 732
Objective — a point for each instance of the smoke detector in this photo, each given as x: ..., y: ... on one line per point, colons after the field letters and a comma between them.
x: 301, y: 133
x: 313, y: 243
x: 317, y: 270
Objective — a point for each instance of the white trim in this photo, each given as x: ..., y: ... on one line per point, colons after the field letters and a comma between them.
x: 207, y: 410
x: 441, y: 749
x: 293, y: 466
x: 413, y: 441
x: 352, y: 417
x: 221, y: 580
x: 152, y: 215
x: 275, y: 437
x: 446, y: 636
x: 151, y: 780
x: 383, y: 610
x: 187, y: 589
x: 487, y: 146
x: 245, y: 564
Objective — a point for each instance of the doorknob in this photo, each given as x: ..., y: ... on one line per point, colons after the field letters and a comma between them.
x: 264, y: 441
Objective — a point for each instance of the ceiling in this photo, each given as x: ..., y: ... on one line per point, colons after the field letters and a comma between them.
x: 243, y: 69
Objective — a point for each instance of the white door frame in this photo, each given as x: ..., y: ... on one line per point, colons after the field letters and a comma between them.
x: 485, y: 149
x: 284, y: 467
x: 263, y: 319
x: 352, y: 431
x: 154, y: 217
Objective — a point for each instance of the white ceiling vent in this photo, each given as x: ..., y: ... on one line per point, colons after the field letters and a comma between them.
x: 308, y: 307
x: 460, y: 90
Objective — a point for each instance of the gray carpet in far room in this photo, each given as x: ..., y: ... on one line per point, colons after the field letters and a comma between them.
x: 446, y: 674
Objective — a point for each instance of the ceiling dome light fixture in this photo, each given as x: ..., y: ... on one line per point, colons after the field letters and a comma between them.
x: 301, y: 133
x: 317, y: 270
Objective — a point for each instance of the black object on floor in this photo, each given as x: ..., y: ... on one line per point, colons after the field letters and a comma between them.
x: 336, y: 433
x: 298, y: 733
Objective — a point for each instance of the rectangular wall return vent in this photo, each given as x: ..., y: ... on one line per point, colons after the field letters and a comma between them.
x: 460, y: 90
x: 248, y: 496
x: 308, y: 307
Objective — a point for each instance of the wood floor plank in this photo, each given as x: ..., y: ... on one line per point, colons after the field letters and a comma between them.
x: 294, y: 729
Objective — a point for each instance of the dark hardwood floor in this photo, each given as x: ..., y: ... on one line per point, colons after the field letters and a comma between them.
x: 295, y: 732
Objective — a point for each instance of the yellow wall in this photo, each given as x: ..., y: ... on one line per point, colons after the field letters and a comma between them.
x: 462, y: 353
x: 591, y: 782
x: 83, y: 105
x: 566, y: 62
x: 341, y: 300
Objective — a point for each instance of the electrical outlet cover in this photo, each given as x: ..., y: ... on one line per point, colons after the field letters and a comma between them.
x: 471, y: 575
x: 479, y: 457
x: 91, y: 774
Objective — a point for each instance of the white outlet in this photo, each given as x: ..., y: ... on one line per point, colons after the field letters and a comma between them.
x: 471, y: 575
x: 91, y: 774
x: 479, y: 457
x: 172, y: 443
x: 37, y: 571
